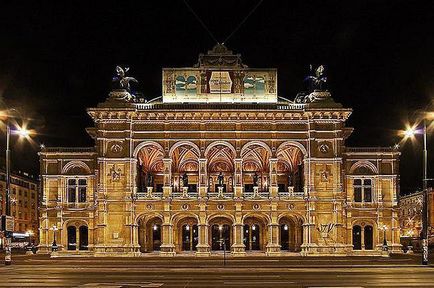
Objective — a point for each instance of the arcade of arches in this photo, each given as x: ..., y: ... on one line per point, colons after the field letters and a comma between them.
x: 219, y: 233
x: 255, y: 169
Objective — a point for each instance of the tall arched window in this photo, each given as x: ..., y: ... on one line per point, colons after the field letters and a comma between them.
x: 357, y: 237
x: 83, y: 238
x: 369, y: 237
x: 72, y: 237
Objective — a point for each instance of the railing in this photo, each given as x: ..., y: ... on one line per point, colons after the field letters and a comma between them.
x: 218, y: 105
x: 253, y: 195
x: 291, y: 194
x: 69, y: 149
x: 370, y: 149
x: 146, y: 195
x: 224, y: 195
x: 185, y: 195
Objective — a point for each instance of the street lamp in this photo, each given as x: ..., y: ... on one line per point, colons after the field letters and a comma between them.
x: 385, y: 247
x: 410, y: 133
x: 54, y: 245
x: 22, y: 132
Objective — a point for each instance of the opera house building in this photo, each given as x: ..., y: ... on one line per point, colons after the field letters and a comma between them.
x: 219, y: 163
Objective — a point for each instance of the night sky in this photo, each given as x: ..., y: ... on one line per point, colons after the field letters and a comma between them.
x: 57, y: 59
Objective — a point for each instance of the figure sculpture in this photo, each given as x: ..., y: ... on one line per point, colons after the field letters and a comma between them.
x: 123, y: 81
x: 317, y: 81
x: 255, y: 179
x: 220, y: 179
x: 185, y: 180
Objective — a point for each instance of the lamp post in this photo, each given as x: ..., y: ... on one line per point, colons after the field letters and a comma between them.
x: 384, y: 247
x: 411, y: 132
x: 22, y: 132
x: 54, y: 245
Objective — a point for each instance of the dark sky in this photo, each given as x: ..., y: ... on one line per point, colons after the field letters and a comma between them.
x: 57, y: 59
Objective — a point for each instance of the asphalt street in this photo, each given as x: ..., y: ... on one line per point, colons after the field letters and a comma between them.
x: 187, y: 271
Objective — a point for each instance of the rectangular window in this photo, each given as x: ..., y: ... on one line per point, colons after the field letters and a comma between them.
x: 357, y: 190
x: 367, y: 190
x: 76, y: 189
x: 362, y: 190
x: 71, y: 190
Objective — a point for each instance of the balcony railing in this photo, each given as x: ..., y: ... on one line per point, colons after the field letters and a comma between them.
x: 146, y: 195
x: 291, y: 194
x: 187, y: 195
x: 224, y: 195
x: 256, y: 195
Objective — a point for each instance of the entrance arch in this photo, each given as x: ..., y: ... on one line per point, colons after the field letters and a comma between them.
x: 221, y: 236
x: 291, y: 234
x: 254, y: 234
x: 150, y: 234
x: 187, y: 234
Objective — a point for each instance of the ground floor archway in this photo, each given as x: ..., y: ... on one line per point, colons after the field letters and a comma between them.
x: 150, y: 234
x: 220, y: 231
x: 290, y: 234
x: 254, y: 234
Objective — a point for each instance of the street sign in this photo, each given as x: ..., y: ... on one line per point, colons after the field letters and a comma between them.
x: 7, y: 223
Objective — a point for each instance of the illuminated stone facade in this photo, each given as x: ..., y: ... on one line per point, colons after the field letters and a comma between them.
x: 180, y: 176
x: 24, y: 202
x: 410, y: 218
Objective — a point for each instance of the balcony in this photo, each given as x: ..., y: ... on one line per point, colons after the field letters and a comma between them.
x: 290, y: 194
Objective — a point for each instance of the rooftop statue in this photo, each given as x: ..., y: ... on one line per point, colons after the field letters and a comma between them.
x: 317, y: 81
x: 122, y: 81
x: 316, y: 86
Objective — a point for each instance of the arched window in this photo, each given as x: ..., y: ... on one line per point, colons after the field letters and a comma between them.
x: 190, y: 237
x: 251, y: 237
x: 357, y: 237
x: 72, y: 237
x: 220, y: 236
x: 83, y: 238
x: 369, y: 237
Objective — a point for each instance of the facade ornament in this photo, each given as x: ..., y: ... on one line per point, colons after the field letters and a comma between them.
x: 316, y: 82
x: 316, y: 87
x: 121, y: 85
x: 116, y: 148
x: 115, y: 174
x: 122, y: 80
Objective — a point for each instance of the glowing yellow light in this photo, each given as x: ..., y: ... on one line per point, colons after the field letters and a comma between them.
x: 410, y: 132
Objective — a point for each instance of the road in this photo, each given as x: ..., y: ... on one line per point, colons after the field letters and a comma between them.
x: 40, y: 271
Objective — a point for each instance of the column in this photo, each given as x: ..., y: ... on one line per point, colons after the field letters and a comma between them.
x: 238, y: 176
x: 167, y: 188
x: 273, y: 246
x: 167, y: 247
x: 203, y: 185
x: 203, y: 246
x: 238, y: 248
x: 273, y: 178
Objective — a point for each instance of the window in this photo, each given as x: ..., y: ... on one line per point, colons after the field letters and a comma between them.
x: 20, y: 193
x: 33, y: 195
x: 362, y: 190
x: 76, y: 190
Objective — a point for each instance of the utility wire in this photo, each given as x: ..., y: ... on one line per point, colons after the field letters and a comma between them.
x: 200, y: 21
x: 242, y: 22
